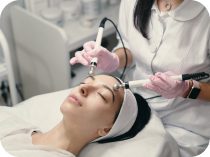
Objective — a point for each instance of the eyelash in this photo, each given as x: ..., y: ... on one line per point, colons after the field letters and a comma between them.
x: 102, y: 97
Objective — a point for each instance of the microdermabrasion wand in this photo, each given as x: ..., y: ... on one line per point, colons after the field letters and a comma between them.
x: 139, y: 83
x: 94, y: 61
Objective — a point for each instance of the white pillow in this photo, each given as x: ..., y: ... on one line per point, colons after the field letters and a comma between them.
x: 152, y: 141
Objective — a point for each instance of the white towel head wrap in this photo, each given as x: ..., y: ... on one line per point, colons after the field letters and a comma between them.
x: 126, y: 117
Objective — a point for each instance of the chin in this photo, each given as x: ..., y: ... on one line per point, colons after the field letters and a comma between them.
x: 64, y: 108
x: 69, y: 110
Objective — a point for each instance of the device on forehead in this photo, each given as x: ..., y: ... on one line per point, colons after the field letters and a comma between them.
x: 139, y: 83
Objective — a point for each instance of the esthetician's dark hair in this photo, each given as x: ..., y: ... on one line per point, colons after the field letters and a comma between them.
x: 143, y: 117
x: 142, y: 14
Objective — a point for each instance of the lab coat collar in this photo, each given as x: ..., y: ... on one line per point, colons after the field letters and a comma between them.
x: 187, y: 10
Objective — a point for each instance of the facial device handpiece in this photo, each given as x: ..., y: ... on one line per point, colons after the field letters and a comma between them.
x: 94, y: 61
x: 93, y: 65
x: 139, y: 83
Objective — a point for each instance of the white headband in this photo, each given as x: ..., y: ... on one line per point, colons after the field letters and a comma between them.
x: 126, y: 117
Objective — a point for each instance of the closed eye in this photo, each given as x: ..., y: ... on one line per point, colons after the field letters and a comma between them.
x: 102, y: 97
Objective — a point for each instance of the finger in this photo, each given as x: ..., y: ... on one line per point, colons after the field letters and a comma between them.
x: 93, y: 53
x: 159, y: 82
x: 153, y: 88
x: 73, y: 61
x: 89, y: 46
x: 80, y: 58
x: 155, y: 80
x: 158, y: 73
x: 170, y: 73
x: 157, y: 90
x: 170, y: 82
x: 87, y: 57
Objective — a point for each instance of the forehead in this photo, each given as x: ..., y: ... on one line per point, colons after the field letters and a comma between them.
x: 108, y: 81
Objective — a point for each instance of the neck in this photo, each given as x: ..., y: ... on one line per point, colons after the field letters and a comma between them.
x: 174, y: 4
x: 60, y: 137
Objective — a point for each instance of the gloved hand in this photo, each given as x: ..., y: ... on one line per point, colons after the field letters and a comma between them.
x: 107, y: 61
x: 166, y: 86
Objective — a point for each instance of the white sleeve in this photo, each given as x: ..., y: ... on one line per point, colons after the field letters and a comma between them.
x: 123, y: 24
x: 209, y: 40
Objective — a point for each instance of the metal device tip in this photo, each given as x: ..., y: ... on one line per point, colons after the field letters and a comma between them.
x: 116, y: 86
x: 91, y: 72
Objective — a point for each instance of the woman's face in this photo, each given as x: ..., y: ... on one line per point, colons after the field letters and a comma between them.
x: 93, y: 104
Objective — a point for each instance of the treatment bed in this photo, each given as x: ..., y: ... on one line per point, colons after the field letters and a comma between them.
x: 43, y: 111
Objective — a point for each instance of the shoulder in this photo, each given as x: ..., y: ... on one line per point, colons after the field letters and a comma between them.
x: 129, y: 3
x: 127, y: 7
x: 199, y: 4
x: 196, y: 8
x: 189, y: 10
x: 10, y: 123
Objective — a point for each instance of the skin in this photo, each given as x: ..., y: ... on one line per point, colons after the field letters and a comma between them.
x: 88, y: 113
x: 174, y: 4
x: 205, y: 87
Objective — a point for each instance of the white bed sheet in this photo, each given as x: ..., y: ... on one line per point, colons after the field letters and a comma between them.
x: 152, y: 141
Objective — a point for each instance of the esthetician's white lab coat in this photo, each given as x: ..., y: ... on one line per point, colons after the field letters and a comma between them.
x: 178, y: 42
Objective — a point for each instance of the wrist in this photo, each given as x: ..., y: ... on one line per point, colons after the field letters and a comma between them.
x: 116, y: 62
x: 122, y: 58
x: 189, y: 87
x: 112, y: 63
x: 193, y: 90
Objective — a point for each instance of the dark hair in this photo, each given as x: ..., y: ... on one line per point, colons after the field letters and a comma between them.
x: 142, y: 14
x: 143, y: 117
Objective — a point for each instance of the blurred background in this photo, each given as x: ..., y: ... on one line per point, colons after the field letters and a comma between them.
x: 41, y: 36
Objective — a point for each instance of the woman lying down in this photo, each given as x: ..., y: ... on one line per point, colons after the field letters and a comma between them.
x: 93, y: 112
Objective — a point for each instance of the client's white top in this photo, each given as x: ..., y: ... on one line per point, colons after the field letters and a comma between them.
x: 15, y: 137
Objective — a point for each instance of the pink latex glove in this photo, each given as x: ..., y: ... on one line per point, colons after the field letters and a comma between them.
x: 167, y: 87
x: 107, y: 61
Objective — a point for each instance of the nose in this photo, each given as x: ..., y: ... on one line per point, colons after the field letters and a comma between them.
x: 85, y: 90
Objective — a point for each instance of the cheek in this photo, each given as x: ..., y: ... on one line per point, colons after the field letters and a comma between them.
x: 94, y: 112
x: 100, y: 114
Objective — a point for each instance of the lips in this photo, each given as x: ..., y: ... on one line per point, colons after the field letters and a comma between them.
x: 73, y: 99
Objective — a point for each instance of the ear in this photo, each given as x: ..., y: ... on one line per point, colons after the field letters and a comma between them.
x: 103, y: 131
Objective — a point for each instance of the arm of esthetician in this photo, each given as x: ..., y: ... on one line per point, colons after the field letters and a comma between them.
x: 170, y: 88
x: 107, y: 61
x: 161, y: 82
x: 204, y: 92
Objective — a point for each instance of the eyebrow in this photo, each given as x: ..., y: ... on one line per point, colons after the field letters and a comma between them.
x: 105, y: 86
x: 93, y: 78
